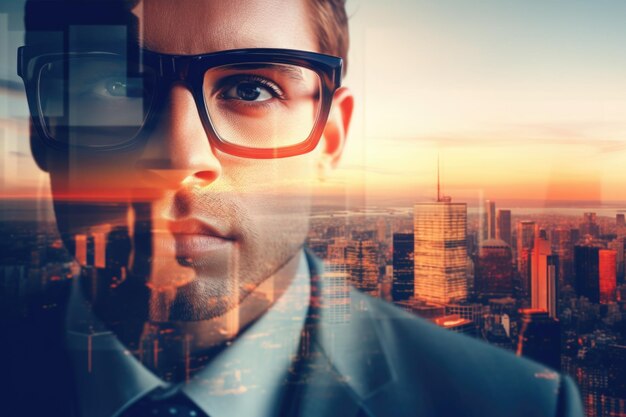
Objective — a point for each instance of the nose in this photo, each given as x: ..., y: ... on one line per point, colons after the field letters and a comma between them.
x: 178, y: 151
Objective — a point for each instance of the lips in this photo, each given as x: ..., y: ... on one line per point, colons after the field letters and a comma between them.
x: 195, y: 239
x: 197, y: 227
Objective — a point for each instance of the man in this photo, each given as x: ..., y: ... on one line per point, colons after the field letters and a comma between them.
x: 188, y: 136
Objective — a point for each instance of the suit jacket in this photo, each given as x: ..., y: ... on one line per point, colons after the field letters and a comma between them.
x: 382, y: 361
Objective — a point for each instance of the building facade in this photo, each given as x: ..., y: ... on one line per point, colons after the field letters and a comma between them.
x: 440, y: 233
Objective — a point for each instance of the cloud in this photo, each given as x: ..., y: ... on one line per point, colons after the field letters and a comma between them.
x: 604, y: 138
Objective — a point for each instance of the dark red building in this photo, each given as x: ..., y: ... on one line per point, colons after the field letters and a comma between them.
x: 494, y: 269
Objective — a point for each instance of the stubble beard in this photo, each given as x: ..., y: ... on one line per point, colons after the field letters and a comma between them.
x: 250, y: 265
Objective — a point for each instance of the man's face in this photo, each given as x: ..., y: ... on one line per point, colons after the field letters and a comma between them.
x: 219, y: 224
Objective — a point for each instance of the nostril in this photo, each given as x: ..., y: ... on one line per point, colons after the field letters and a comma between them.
x: 181, y: 205
x: 208, y: 176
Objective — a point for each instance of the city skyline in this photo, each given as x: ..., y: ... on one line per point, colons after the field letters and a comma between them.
x: 588, y: 315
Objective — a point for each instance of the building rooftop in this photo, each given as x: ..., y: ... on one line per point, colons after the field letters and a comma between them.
x: 494, y: 243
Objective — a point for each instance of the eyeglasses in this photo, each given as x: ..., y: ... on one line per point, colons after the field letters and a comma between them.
x: 253, y: 103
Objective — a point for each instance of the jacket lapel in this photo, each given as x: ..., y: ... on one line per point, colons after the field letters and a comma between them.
x: 347, y: 363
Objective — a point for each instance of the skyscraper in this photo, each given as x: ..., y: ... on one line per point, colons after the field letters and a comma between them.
x: 589, y: 225
x: 381, y: 229
x: 440, y: 251
x: 586, y: 263
x: 99, y: 241
x: 336, y: 294
x: 618, y: 246
x: 80, y: 254
x: 620, y: 225
x: 595, y: 273
x: 503, y: 226
x: 362, y: 256
x: 525, y: 241
x: 540, y: 338
x: 403, y: 272
x: 494, y: 269
x: 607, y: 275
x: 337, y: 250
x: 543, y: 285
x: 564, y: 247
x: 318, y: 246
x: 490, y: 220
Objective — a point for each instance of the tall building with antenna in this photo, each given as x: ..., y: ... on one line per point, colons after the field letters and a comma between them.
x: 440, y: 257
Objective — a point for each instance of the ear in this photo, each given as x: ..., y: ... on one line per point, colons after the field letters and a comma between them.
x: 38, y: 149
x: 336, y: 130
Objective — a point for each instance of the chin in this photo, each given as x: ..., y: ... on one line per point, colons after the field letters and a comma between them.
x: 202, y: 299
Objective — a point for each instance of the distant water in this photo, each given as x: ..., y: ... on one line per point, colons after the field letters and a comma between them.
x: 26, y: 210
x: 516, y: 211
x: 41, y: 210
x: 571, y: 211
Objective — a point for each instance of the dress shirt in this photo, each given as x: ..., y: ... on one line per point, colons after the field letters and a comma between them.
x: 244, y: 379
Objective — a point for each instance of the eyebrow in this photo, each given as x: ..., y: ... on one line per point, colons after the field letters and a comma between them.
x: 289, y: 70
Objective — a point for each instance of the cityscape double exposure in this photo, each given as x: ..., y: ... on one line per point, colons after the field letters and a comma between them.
x: 481, y: 190
x: 548, y: 285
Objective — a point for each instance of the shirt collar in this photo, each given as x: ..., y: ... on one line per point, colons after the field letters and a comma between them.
x: 244, y: 379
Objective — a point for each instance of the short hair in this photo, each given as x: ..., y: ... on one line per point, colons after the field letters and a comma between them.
x: 331, y: 25
x: 330, y: 20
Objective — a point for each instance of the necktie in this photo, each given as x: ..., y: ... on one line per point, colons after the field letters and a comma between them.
x: 161, y: 403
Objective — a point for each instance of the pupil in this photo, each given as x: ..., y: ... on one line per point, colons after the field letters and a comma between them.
x: 116, y: 88
x: 248, y: 91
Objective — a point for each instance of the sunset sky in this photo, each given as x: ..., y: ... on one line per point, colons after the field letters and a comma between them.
x: 520, y: 100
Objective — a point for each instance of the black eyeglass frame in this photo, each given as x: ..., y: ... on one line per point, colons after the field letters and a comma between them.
x: 190, y: 70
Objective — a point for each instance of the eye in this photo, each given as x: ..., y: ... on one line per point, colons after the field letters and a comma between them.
x: 116, y: 88
x: 254, y: 89
x: 119, y: 87
x: 248, y: 91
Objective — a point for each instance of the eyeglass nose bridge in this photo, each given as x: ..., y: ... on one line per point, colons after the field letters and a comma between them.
x: 174, y: 68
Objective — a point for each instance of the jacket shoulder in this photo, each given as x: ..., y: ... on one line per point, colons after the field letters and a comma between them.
x: 454, y: 374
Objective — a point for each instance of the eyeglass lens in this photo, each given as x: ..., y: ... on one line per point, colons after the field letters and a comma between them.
x: 262, y: 105
x: 95, y: 102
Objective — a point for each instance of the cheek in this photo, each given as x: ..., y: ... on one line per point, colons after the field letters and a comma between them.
x: 277, y: 195
x: 270, y: 180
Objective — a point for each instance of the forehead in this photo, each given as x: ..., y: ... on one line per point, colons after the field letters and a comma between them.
x: 201, y: 26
